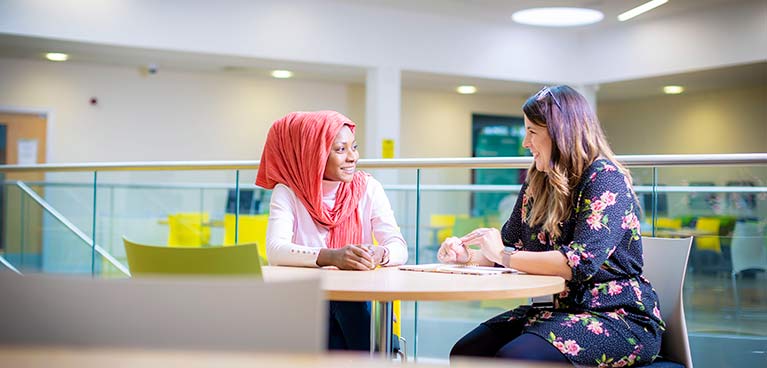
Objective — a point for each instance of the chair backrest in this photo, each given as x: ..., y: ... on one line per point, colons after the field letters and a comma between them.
x: 189, y: 229
x: 668, y: 223
x: 240, y: 259
x: 708, y: 242
x: 748, y: 249
x: 665, y: 264
x: 164, y: 313
x: 464, y: 226
x: 252, y: 229
x: 445, y: 222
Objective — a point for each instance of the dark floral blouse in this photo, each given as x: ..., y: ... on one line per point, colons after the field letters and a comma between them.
x: 608, y: 314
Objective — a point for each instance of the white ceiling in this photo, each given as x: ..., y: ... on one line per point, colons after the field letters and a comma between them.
x: 498, y: 11
x: 22, y: 47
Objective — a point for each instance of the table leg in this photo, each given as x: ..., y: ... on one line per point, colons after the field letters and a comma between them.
x: 383, y: 329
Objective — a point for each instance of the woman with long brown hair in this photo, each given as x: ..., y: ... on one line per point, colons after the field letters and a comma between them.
x: 577, y: 217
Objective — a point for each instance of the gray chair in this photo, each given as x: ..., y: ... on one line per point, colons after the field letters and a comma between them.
x: 164, y: 313
x: 665, y: 264
x: 748, y: 252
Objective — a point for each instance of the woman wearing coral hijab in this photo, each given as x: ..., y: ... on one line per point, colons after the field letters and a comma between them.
x: 324, y: 212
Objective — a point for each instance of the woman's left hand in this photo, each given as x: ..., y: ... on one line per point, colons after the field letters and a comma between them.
x: 489, y: 241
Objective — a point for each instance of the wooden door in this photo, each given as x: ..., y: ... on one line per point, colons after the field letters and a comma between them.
x: 21, y: 236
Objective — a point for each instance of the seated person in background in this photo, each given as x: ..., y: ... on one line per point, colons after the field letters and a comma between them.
x: 576, y: 218
x: 323, y: 211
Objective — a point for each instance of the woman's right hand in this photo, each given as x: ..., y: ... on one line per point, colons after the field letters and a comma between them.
x: 350, y: 257
x: 453, y: 250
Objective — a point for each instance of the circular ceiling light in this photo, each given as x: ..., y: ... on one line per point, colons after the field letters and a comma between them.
x: 56, y: 56
x: 282, y: 74
x: 466, y: 90
x: 557, y: 17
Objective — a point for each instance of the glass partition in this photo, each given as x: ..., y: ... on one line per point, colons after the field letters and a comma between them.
x: 174, y: 208
x: 48, y: 226
x: 452, y: 205
x: 724, y: 208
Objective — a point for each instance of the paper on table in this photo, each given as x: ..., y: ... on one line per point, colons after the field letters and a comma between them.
x: 459, y: 269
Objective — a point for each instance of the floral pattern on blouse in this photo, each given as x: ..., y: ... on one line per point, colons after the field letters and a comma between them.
x: 608, y: 314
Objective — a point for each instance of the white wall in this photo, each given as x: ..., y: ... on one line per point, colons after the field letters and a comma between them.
x: 168, y: 116
x: 721, y: 121
x: 438, y: 124
x: 199, y: 116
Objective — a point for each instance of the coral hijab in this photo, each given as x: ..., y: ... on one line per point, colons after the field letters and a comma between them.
x: 296, y: 151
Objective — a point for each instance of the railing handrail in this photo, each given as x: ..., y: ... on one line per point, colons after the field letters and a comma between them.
x: 494, y: 188
x: 399, y: 163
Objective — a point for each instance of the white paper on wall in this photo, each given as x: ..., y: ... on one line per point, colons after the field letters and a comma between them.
x: 27, y: 151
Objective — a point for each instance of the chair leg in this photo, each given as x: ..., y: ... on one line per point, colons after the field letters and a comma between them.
x: 735, y: 294
x: 402, y: 352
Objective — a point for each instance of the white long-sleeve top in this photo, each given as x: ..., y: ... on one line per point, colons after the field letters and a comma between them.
x: 294, y: 239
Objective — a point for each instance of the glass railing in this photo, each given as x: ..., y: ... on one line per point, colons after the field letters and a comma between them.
x: 72, y: 219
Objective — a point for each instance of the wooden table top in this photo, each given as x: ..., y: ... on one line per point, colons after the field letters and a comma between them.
x: 390, y: 283
x: 80, y: 357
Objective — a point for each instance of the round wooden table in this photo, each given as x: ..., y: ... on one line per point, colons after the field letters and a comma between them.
x: 384, y: 285
x: 96, y: 357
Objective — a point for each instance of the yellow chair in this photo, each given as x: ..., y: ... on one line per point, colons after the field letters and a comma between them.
x: 188, y: 229
x: 668, y: 223
x: 396, y: 326
x: 710, y: 241
x: 144, y: 260
x: 252, y: 229
x: 465, y: 225
x: 442, y: 225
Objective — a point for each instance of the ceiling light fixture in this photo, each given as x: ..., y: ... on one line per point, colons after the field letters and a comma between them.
x: 466, y: 90
x: 282, y: 74
x: 650, y: 5
x: 673, y: 90
x: 557, y: 16
x: 56, y: 56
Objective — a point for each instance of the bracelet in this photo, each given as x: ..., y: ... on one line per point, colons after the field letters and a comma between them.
x: 468, y: 261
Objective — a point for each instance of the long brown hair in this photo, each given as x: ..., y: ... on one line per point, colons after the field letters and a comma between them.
x: 577, y: 141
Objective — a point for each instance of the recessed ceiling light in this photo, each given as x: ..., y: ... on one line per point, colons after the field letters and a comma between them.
x: 650, y: 5
x: 282, y: 74
x: 466, y: 90
x: 56, y: 56
x: 673, y: 90
x: 557, y: 17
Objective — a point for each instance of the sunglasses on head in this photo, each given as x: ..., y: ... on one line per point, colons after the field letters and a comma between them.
x: 547, y: 91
